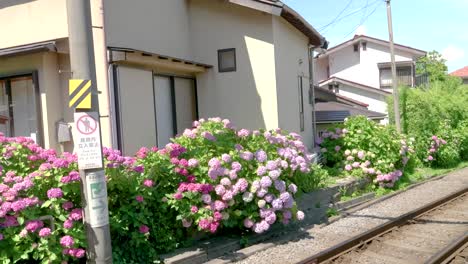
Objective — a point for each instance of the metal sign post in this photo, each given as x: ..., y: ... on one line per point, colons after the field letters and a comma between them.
x: 83, y: 97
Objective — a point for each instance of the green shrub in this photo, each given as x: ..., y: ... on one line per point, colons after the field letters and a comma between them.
x: 313, y: 180
x: 440, y: 110
x: 364, y: 148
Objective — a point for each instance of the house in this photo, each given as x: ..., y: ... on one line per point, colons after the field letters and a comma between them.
x: 462, y: 73
x: 160, y: 65
x: 332, y: 108
x: 360, y: 69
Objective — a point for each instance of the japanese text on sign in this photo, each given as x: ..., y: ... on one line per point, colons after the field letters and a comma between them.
x: 88, y: 141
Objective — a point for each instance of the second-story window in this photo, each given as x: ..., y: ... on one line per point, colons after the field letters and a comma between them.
x: 364, y: 45
x: 356, y: 47
x: 404, y: 76
x: 227, y: 60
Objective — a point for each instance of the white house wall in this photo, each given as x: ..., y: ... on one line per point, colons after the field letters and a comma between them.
x: 320, y: 69
x: 30, y: 21
x: 248, y: 95
x: 375, y: 101
x: 376, y: 54
x: 157, y: 26
x: 361, y: 66
x: 291, y: 57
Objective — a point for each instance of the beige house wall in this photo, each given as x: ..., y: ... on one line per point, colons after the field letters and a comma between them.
x: 157, y: 26
x: 30, y: 21
x: 248, y: 95
x: 49, y: 85
x: 291, y: 57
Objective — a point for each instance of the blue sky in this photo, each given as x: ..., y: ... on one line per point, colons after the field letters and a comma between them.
x: 440, y: 25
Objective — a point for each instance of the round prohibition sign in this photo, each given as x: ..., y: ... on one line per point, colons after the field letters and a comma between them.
x: 86, y: 125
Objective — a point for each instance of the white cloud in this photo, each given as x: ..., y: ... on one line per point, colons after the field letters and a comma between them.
x: 361, y: 30
x: 452, y: 53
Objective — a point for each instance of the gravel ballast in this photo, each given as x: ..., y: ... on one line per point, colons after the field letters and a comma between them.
x: 314, y: 240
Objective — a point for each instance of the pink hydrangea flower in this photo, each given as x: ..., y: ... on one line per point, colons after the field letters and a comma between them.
x: 67, y: 241
x: 54, y: 193
x: 144, y: 229
x: 76, y: 214
x: 348, y: 167
x: 44, y: 232
x: 68, y: 224
x: 148, y: 183
x: 194, y: 209
x: 139, y: 198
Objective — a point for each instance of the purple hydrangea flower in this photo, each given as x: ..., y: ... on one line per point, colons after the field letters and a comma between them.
x: 280, y: 186
x: 265, y: 182
x: 54, y: 193
x: 261, y: 156
x: 277, y: 204
x: 261, y: 170
x: 292, y: 188
x: 226, y: 158
x: 246, y: 155
x: 271, y: 165
x: 274, y: 174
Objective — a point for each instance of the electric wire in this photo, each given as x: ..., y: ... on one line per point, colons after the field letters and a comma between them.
x: 324, y: 28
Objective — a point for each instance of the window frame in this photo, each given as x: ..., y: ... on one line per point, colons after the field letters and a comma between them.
x: 227, y: 69
x: 34, y: 75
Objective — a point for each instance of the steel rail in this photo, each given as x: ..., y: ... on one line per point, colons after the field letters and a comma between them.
x: 356, y: 241
x: 449, y: 252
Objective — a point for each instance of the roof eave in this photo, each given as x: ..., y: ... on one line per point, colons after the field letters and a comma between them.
x: 280, y: 9
x: 315, y: 39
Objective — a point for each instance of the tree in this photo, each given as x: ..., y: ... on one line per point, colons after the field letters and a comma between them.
x: 433, y: 65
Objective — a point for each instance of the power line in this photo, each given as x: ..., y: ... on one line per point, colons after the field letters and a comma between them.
x: 365, y: 13
x: 362, y: 21
x: 339, y: 14
x: 322, y: 29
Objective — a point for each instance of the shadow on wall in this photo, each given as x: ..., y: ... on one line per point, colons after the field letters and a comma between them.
x: 9, y: 3
x: 344, y: 59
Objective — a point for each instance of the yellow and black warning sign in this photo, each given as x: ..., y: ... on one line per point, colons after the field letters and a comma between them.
x: 80, y: 94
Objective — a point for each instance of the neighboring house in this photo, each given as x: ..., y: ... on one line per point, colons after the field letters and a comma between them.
x: 462, y: 73
x: 360, y: 69
x: 160, y: 65
x: 332, y: 108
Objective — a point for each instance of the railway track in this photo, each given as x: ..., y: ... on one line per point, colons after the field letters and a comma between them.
x: 435, y: 233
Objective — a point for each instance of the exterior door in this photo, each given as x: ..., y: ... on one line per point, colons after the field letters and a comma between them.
x: 18, y: 108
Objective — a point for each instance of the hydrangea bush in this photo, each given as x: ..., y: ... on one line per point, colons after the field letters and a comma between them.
x: 236, y: 178
x: 40, y: 214
x: 364, y: 148
x: 210, y: 177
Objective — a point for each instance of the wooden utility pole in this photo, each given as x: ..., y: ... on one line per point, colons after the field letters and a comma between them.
x: 396, y: 98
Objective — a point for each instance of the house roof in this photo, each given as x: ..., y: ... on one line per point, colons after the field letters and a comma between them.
x: 278, y: 8
x: 358, y: 38
x: 333, y: 112
x: 353, y: 84
x: 29, y: 48
x: 329, y: 96
x: 463, y: 72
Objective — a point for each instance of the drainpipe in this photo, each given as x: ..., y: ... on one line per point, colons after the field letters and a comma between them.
x: 102, y: 68
x: 312, y: 90
x: 323, y: 46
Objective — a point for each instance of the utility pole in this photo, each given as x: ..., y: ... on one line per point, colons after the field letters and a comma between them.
x: 84, y: 99
x: 396, y: 98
